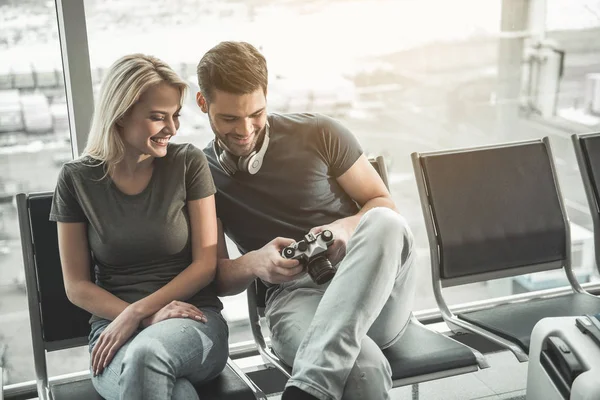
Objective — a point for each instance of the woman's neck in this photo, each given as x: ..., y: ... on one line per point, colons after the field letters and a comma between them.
x: 134, y: 164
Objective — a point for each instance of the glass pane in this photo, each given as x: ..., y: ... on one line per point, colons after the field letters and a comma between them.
x: 402, y: 77
x: 34, y: 142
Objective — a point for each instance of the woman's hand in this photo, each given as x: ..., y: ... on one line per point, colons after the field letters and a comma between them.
x: 112, y: 338
x: 175, y: 309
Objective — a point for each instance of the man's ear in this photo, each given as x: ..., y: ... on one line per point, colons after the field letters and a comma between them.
x: 201, y: 101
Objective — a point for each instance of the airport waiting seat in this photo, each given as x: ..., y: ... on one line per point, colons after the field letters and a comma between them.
x: 57, y: 324
x: 495, y: 212
x: 420, y: 355
x: 587, y: 151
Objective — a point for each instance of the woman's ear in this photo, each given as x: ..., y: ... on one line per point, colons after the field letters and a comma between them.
x: 121, y: 120
x: 201, y: 101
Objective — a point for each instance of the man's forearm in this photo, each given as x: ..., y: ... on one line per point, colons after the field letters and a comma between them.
x: 234, y: 276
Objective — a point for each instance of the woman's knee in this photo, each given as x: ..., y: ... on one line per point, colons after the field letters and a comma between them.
x: 145, y: 353
x: 216, y: 366
x: 184, y: 390
x: 207, y: 362
x: 107, y: 385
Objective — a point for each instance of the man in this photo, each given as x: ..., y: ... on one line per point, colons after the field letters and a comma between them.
x: 279, y: 176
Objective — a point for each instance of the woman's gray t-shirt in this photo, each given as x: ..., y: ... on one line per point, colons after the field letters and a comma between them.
x: 138, y: 242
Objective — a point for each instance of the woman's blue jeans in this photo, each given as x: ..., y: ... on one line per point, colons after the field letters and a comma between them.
x: 165, y: 360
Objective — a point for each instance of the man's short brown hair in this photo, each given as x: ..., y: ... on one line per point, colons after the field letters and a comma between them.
x: 233, y: 67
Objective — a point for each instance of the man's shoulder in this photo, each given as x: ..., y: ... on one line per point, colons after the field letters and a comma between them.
x: 294, y: 119
x: 209, y: 152
x: 310, y: 122
x: 208, y: 149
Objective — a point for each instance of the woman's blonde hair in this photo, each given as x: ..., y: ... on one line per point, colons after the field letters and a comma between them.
x: 125, y: 81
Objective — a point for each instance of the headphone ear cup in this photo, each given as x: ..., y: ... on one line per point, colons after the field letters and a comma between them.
x: 253, y: 163
x: 228, y: 164
x: 244, y: 162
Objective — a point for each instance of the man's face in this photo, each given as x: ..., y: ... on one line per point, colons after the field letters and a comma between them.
x: 237, y: 120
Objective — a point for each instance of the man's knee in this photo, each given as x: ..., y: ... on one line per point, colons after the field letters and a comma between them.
x: 385, y: 223
x: 387, y: 231
x: 370, y: 377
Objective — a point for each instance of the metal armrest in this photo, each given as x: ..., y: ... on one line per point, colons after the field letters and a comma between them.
x: 258, y: 393
x: 257, y: 334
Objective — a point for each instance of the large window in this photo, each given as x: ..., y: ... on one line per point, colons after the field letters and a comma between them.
x: 403, y: 75
x: 34, y: 142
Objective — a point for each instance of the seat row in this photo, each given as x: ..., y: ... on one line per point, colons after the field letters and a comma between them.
x: 490, y: 212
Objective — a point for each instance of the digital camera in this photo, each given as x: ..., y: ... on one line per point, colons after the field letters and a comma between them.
x: 311, y: 253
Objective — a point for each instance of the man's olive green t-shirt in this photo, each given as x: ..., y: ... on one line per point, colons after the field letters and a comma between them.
x: 138, y: 242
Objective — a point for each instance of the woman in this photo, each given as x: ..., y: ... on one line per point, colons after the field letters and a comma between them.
x: 142, y: 211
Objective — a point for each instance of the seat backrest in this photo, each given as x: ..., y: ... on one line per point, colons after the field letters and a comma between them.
x: 62, y: 323
x: 493, y: 211
x: 378, y: 163
x: 587, y: 150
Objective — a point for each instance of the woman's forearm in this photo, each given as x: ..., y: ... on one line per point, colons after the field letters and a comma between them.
x: 95, y: 300
x: 104, y: 304
x: 191, y: 280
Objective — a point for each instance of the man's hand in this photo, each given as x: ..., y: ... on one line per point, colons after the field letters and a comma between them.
x: 269, y: 265
x: 342, y: 230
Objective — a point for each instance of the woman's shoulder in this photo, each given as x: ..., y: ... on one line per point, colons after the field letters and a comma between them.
x: 183, y: 152
x: 84, y: 167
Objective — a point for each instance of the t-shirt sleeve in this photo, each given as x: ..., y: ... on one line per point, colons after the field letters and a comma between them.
x: 198, y: 179
x: 340, y: 146
x: 65, y: 203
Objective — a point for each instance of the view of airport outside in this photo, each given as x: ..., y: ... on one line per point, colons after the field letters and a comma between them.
x: 403, y: 75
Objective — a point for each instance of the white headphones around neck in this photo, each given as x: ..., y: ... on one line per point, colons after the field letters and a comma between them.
x: 250, y: 163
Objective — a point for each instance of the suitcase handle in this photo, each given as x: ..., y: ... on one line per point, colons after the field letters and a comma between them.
x: 560, y: 363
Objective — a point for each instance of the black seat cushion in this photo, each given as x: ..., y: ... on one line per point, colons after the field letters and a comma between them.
x: 75, y: 390
x: 495, y: 209
x: 590, y: 146
x: 421, y: 351
x: 515, y: 321
x: 226, y: 386
x: 61, y: 319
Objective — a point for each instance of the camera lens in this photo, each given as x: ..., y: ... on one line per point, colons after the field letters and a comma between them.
x: 320, y: 270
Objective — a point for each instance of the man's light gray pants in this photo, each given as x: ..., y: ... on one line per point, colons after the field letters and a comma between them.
x: 333, y: 334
